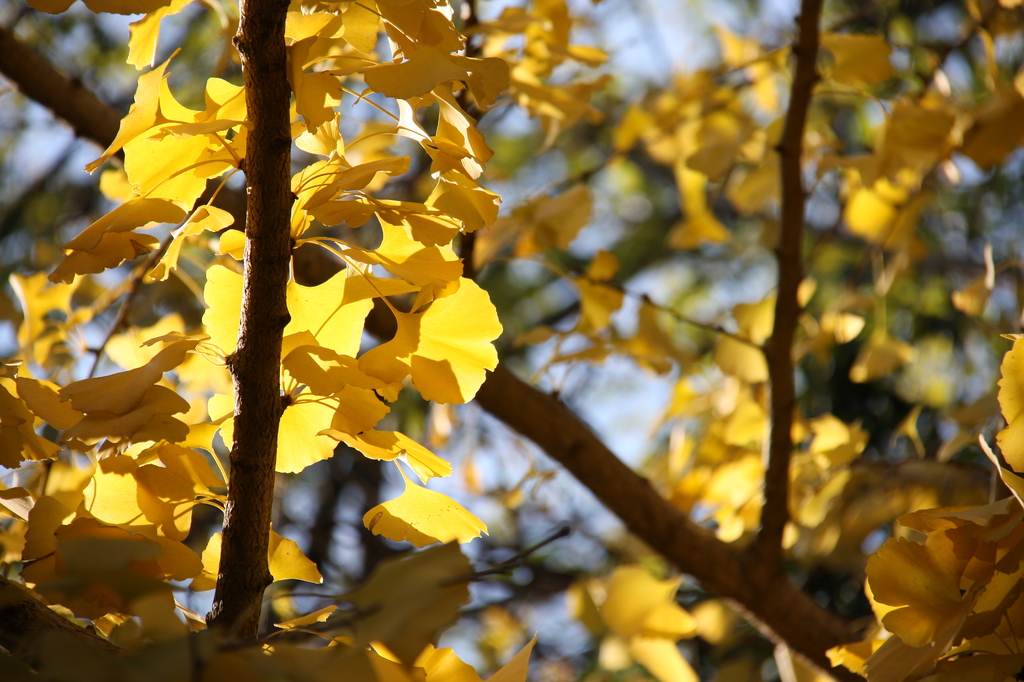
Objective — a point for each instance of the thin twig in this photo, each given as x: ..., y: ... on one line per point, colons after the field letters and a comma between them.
x: 133, y: 290
x: 512, y: 562
x: 468, y: 242
x: 767, y: 549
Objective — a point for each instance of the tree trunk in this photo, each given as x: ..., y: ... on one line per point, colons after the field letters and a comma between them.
x: 255, y: 366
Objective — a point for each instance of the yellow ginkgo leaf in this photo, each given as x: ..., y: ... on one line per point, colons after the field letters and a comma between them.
x: 390, y: 445
x: 603, y: 267
x: 359, y: 410
x: 701, y: 225
x: 923, y: 579
x: 443, y: 665
x: 463, y: 199
x: 662, y: 658
x: 408, y: 600
x: 423, y: 517
x: 879, y: 357
x: 18, y: 439
x: 326, y: 372
x: 405, y: 257
x: 633, y: 596
x: 597, y: 304
x: 446, y: 349
x: 287, y: 562
x: 298, y: 441
x: 430, y: 67
x: 860, y: 60
x: 517, y: 669
x: 112, y: 249
x: 741, y: 360
x: 142, y: 115
x: 203, y: 218
x: 840, y: 443
x: 971, y: 300
x: 337, y: 325
x: 1011, y: 401
x: 146, y: 31
x: 148, y: 420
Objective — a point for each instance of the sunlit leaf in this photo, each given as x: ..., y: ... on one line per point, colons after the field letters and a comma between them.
x: 446, y: 349
x: 423, y: 517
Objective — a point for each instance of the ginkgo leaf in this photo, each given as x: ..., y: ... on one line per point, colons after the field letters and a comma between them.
x: 318, y: 616
x: 129, y: 404
x: 445, y: 349
x: 112, y: 249
x: 443, y: 664
x: 203, y: 218
x: 146, y: 31
x: 1011, y: 401
x: 923, y: 579
x: 390, y: 445
x: 285, y: 559
x: 662, y: 658
x: 287, y: 562
x: 741, y: 360
x: 700, y: 225
x: 361, y: 27
x: 337, y: 325
x: 463, y: 199
x: 298, y: 441
x: 603, y: 267
x: 142, y: 115
x: 518, y: 668
x: 429, y: 67
x: 859, y: 59
x: 423, y: 517
x: 326, y: 372
x: 403, y: 256
x: 638, y: 603
x: 149, y: 419
x: 408, y: 600
x: 597, y: 304
x: 838, y: 442
x: 880, y: 356
x: 126, y: 217
x: 18, y: 439
x: 112, y: 6
x: 16, y: 502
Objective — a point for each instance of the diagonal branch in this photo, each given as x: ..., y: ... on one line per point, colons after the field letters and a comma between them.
x: 68, y: 99
x: 782, y: 610
x: 24, y: 619
x: 767, y: 550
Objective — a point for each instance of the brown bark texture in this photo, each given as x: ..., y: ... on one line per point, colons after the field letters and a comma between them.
x: 255, y: 365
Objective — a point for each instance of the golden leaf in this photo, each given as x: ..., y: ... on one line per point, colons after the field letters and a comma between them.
x: 860, y: 60
x: 446, y: 349
x: 422, y: 517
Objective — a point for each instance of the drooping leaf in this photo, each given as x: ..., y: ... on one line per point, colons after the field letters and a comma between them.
x: 422, y: 517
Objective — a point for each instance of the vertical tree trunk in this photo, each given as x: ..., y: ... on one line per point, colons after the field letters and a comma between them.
x: 255, y: 366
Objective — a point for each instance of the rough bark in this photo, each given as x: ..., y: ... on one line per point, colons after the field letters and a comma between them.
x: 767, y: 550
x: 255, y: 365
